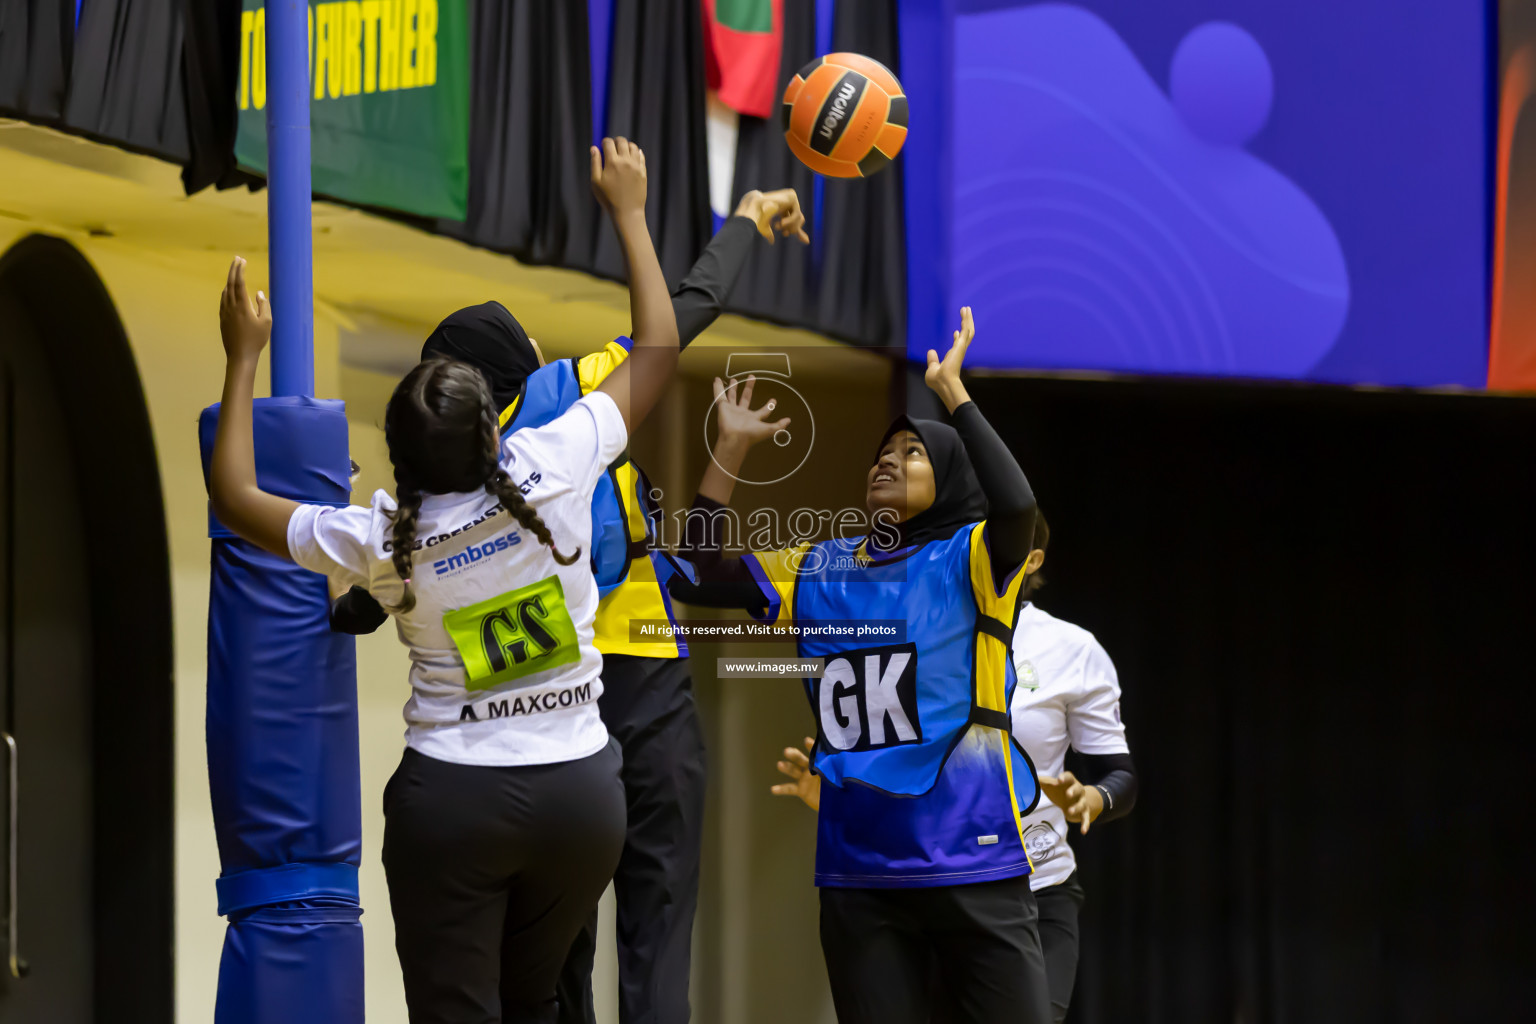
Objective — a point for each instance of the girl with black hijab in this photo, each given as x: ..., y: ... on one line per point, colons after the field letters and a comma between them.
x: 647, y: 702
x: 920, y: 856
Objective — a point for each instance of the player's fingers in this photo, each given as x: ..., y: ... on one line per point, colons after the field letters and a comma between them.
x: 933, y: 358
x: 783, y: 424
x: 746, y: 391
x: 1067, y: 777
x: 719, y: 389
x: 810, y: 743
x: 621, y: 146
x: 785, y: 768
x: 784, y: 789
x: 610, y: 151
x: 242, y: 299
x: 1047, y: 780
x: 797, y: 757
x: 597, y: 164
x: 263, y: 307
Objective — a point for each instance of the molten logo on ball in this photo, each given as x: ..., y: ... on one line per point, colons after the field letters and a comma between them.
x: 845, y: 92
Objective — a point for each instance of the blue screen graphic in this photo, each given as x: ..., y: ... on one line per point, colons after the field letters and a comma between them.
x: 1243, y: 189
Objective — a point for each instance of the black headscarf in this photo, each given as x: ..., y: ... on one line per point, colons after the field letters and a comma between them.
x: 958, y: 500
x: 491, y: 340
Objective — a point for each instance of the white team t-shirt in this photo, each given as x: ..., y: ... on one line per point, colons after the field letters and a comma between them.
x: 503, y: 668
x: 1067, y: 695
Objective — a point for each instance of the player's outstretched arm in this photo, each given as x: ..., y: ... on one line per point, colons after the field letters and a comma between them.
x: 238, y: 502
x: 701, y: 296
x: 618, y: 181
x: 724, y: 582
x: 1010, y: 500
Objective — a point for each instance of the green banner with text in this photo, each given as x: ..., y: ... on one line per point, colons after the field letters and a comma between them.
x: 389, y: 108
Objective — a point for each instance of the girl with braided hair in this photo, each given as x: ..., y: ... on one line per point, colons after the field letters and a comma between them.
x: 505, y: 819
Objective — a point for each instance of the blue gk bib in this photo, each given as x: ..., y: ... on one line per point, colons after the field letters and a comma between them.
x: 925, y: 784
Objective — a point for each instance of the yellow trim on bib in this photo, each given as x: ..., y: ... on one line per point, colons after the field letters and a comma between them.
x: 992, y: 654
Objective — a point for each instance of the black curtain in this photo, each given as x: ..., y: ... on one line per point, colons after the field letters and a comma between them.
x: 126, y: 83
x: 1319, y: 602
x: 530, y: 125
x: 863, y: 285
x: 212, y: 75
x: 35, y: 37
x: 776, y: 283
x: 656, y: 98
x: 852, y: 283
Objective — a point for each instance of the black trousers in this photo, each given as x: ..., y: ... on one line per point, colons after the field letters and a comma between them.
x: 880, y: 945
x: 1058, y: 907
x: 647, y: 704
x: 1059, y: 938
x: 492, y: 872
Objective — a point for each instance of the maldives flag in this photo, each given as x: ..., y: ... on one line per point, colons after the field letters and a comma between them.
x: 742, y: 43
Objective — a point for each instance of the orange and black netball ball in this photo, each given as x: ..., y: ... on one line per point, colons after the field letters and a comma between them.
x: 845, y: 115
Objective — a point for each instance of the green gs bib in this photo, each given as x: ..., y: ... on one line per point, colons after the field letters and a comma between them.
x: 519, y: 633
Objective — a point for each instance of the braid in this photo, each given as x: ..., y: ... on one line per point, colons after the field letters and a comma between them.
x: 403, y: 538
x: 513, y: 501
x: 500, y: 484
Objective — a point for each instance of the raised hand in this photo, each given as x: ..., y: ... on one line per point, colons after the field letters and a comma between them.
x: 618, y: 176
x: 740, y: 425
x: 778, y: 210
x: 244, y: 325
x: 943, y: 375
x: 1079, y: 802
x: 806, y: 784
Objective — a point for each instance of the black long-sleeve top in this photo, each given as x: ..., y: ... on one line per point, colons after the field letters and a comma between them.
x: 1011, y: 505
x: 1115, y: 774
x: 700, y: 297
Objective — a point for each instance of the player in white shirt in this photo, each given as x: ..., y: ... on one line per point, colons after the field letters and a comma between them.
x: 1067, y: 695
x: 505, y: 819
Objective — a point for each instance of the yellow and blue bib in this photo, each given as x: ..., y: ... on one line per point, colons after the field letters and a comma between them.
x: 630, y: 577
x: 925, y: 784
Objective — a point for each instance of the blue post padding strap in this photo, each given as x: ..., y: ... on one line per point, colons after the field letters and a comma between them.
x: 286, y: 883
